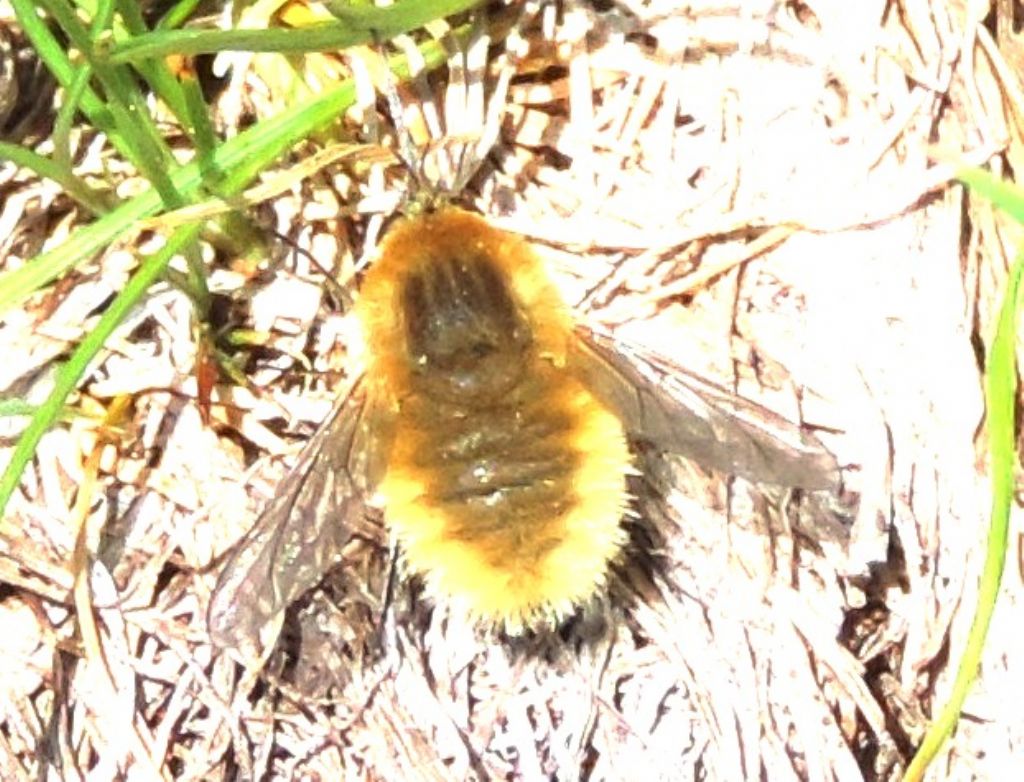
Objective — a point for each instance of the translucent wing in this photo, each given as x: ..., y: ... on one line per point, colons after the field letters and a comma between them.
x: 302, y: 530
x: 678, y: 412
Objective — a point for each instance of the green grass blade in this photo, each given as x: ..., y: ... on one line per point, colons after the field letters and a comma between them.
x: 360, y: 26
x: 1001, y: 407
x: 142, y: 142
x: 19, y: 408
x: 1006, y: 195
x: 155, y: 72
x: 54, y: 55
x: 241, y: 156
x: 70, y: 374
x: 95, y: 201
x: 69, y: 108
x: 178, y: 14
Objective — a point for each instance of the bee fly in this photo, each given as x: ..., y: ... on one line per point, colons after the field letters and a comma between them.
x: 497, y: 432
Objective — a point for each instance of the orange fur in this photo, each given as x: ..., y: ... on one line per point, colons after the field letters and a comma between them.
x: 537, y: 569
x: 418, y: 240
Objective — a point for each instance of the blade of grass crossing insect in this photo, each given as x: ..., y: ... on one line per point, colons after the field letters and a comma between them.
x: 151, y: 269
x: 1000, y: 400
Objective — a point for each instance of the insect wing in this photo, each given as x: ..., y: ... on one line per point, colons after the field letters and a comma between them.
x: 681, y: 413
x: 300, y: 532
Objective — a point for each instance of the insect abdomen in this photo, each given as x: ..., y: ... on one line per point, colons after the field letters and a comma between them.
x: 512, y: 510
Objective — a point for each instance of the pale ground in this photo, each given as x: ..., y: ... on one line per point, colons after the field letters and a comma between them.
x: 740, y: 189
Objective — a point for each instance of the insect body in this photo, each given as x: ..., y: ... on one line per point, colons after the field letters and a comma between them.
x: 496, y: 431
x: 506, y: 480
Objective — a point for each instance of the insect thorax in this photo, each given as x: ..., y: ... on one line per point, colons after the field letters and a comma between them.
x: 466, y: 337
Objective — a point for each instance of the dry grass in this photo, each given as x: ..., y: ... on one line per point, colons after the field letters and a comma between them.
x: 750, y: 191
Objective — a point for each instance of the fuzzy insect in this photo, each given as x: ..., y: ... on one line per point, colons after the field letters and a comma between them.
x: 497, y: 431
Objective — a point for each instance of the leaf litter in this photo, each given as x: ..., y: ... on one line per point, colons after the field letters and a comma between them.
x: 748, y: 188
